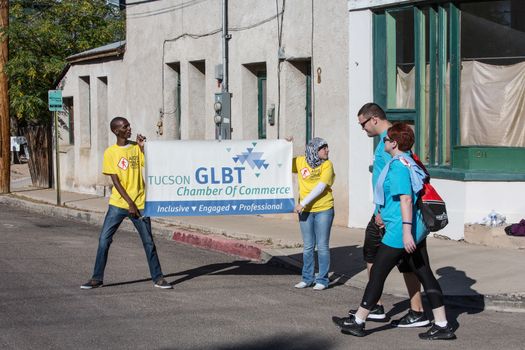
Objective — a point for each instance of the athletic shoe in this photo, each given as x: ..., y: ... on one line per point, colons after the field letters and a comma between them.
x: 348, y: 325
x: 411, y: 319
x: 302, y: 285
x: 319, y: 286
x: 438, y: 333
x: 161, y: 283
x: 376, y: 314
x: 91, y: 284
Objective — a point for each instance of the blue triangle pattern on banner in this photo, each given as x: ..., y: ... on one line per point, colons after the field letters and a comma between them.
x: 258, y: 163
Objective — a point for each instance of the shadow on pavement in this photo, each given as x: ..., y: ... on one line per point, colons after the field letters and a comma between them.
x: 277, y: 342
x: 458, y: 288
x: 345, y: 262
x: 348, y: 260
x: 460, y: 298
x: 235, y: 268
x: 240, y: 267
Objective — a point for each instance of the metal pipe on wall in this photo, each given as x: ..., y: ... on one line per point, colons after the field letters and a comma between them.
x: 225, y: 38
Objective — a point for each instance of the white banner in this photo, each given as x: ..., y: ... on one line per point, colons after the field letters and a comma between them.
x: 195, y: 178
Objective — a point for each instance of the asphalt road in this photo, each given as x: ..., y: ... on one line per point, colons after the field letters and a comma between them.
x: 218, y: 301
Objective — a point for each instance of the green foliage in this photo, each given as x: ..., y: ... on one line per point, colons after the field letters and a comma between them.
x: 42, y: 33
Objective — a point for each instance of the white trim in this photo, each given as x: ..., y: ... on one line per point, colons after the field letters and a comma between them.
x: 360, y: 91
x: 354, y: 5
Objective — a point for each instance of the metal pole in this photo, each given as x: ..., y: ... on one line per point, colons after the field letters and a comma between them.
x: 57, y: 160
x: 225, y: 125
x: 225, y: 38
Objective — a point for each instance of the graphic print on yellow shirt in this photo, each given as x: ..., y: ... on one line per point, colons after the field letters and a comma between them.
x: 126, y: 162
x: 309, y: 178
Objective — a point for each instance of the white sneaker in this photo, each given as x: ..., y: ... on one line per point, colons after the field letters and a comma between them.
x: 319, y: 286
x: 302, y: 285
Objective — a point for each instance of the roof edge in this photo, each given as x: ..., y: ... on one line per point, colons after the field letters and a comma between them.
x: 116, y: 49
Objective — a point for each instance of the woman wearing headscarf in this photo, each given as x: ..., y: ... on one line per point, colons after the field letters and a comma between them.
x: 315, y: 175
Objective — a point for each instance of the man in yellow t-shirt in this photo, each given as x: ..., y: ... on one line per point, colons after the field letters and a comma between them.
x: 315, y: 174
x: 123, y: 162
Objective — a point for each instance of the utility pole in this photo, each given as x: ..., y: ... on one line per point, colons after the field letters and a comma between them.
x: 222, y: 104
x: 5, y: 137
x: 225, y: 51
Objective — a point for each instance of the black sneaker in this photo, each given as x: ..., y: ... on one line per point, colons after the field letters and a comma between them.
x: 349, y: 326
x: 376, y: 314
x: 91, y: 284
x: 438, y: 333
x: 161, y: 283
x: 411, y: 319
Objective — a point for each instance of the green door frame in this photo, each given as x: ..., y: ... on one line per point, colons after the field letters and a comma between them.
x: 261, y: 104
x: 443, y: 22
x: 178, y: 111
x: 308, y: 106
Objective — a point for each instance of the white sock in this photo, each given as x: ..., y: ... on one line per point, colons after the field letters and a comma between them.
x: 441, y: 324
x: 358, y: 320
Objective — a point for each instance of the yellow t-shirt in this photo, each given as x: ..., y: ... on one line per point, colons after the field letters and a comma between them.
x: 309, y: 178
x: 127, y: 163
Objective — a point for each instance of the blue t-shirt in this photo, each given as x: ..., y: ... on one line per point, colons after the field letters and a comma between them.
x: 398, y: 182
x: 380, y: 159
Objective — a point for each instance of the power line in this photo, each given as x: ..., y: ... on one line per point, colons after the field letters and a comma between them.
x: 162, y: 10
x: 213, y: 32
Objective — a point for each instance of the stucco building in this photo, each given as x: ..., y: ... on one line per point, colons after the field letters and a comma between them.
x: 455, y: 70
x: 287, y: 58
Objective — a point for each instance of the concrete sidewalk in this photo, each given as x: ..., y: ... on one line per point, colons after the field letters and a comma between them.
x: 470, y: 275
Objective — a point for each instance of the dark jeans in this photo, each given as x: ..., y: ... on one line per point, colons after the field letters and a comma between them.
x: 114, y: 218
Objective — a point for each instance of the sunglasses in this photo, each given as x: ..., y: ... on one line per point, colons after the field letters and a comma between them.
x: 386, y: 139
x: 364, y: 123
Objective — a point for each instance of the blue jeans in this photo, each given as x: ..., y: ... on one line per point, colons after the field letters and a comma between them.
x: 114, y: 218
x: 315, y: 228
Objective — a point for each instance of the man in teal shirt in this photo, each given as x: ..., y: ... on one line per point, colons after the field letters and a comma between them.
x: 373, y: 121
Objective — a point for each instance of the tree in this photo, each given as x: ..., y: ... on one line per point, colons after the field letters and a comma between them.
x: 42, y: 34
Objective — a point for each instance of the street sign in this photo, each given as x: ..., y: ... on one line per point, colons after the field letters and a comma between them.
x: 55, y: 100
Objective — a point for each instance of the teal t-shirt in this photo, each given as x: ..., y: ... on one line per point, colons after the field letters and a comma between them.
x: 380, y: 159
x: 398, y: 182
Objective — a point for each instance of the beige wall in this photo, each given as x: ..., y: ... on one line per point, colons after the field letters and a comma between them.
x: 94, y: 104
x: 142, y: 87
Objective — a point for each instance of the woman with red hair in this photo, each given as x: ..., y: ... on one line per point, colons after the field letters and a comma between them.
x: 396, y: 193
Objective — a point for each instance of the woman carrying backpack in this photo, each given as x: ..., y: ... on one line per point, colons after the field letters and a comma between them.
x: 405, y: 236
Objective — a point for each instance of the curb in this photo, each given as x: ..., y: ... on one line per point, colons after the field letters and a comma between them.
x: 500, y: 302
x: 252, y: 251
x: 225, y: 245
